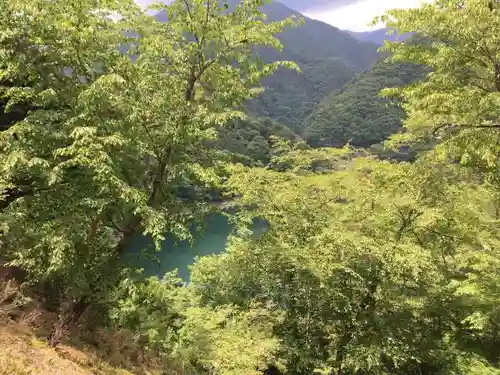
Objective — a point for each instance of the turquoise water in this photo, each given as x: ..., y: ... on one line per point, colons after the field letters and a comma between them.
x: 212, y: 240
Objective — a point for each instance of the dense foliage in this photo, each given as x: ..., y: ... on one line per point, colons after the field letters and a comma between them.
x: 100, y: 155
x: 250, y: 140
x: 365, y: 267
x: 328, y: 58
x: 368, y: 264
x: 356, y: 114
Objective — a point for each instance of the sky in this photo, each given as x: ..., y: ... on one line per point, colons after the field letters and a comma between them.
x: 358, y: 15
x: 355, y: 16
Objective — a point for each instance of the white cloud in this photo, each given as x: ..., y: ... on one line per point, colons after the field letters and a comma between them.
x: 144, y: 3
x: 357, y: 16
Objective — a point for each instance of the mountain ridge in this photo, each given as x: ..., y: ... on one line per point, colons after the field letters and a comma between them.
x: 378, y: 36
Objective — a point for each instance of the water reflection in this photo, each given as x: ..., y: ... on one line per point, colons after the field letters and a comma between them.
x: 212, y: 240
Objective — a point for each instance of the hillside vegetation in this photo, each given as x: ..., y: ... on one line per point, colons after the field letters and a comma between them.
x: 364, y: 266
x: 328, y: 58
x: 251, y: 140
x: 357, y: 113
x: 291, y: 96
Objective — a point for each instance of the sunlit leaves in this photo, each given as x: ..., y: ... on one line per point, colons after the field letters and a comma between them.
x: 459, y: 100
x: 117, y: 109
x: 368, y: 258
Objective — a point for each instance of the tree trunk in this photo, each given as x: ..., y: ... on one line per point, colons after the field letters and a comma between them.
x: 67, y: 318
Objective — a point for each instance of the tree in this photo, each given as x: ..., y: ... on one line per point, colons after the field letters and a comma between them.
x: 458, y: 102
x: 371, y: 266
x: 192, y: 338
x: 457, y: 105
x: 104, y: 163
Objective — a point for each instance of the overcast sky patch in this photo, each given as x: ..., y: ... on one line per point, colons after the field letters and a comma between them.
x: 352, y: 15
x: 357, y: 15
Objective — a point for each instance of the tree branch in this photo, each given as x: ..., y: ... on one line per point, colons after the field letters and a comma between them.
x: 455, y: 126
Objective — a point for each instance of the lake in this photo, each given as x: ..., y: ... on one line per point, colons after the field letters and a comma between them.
x: 212, y: 240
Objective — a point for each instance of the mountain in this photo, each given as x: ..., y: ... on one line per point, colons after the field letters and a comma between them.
x: 316, y: 39
x: 328, y: 58
x: 357, y: 114
x: 379, y: 36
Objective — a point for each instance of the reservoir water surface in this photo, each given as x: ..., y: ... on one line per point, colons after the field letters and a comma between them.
x: 212, y: 240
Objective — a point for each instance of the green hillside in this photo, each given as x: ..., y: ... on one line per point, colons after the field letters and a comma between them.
x: 249, y: 141
x: 328, y: 58
x: 291, y: 96
x: 356, y: 113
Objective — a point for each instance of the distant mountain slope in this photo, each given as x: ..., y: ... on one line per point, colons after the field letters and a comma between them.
x: 290, y: 96
x: 378, y: 36
x: 356, y: 114
x: 316, y: 39
x: 328, y: 58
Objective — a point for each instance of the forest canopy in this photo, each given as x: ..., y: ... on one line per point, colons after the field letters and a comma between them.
x: 356, y: 114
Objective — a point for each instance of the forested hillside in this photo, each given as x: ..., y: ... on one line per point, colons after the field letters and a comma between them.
x: 291, y: 96
x: 250, y: 140
x: 356, y: 113
x: 358, y: 266
x: 328, y: 58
